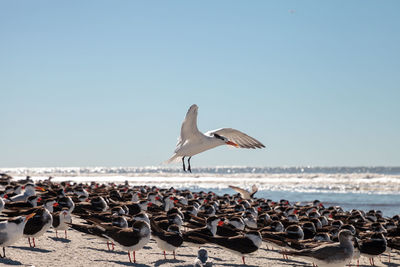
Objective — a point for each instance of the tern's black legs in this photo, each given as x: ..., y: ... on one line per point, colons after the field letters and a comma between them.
x: 4, y: 252
x: 189, y: 168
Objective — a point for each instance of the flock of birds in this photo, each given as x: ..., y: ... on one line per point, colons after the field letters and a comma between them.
x: 129, y: 216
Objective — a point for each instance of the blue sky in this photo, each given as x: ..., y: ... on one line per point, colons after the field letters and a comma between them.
x: 107, y: 83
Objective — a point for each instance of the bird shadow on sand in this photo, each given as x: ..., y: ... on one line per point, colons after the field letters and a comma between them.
x: 368, y: 265
x: 186, y: 255
x: 125, y: 263
x: 270, y: 250
x: 387, y: 263
x: 214, y: 258
x: 170, y: 255
x: 288, y: 262
x: 161, y: 262
x: 42, y: 250
x: 9, y: 261
x: 107, y: 251
x: 60, y: 239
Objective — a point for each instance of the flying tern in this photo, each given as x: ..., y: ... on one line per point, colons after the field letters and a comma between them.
x: 192, y: 141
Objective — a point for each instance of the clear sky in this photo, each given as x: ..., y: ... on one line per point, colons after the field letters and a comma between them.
x: 108, y: 83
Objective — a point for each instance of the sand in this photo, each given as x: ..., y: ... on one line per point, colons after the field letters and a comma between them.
x: 84, y: 250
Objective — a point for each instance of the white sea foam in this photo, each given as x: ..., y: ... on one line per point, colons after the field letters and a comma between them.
x: 372, y: 180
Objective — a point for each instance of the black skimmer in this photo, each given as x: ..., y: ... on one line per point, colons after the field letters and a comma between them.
x: 192, y: 141
x: 309, y: 230
x: 29, y: 191
x: 12, y: 190
x: 170, y: 219
x: 202, y: 259
x: 168, y: 240
x: 98, y: 231
x: 280, y: 240
x: 329, y: 255
x: 292, y: 232
x: 131, y: 239
x: 81, y: 192
x: 31, y: 202
x: 195, y: 237
x: 242, y: 245
x: 250, y: 220
x: 11, y: 230
x: 136, y: 208
x: 60, y: 220
x: 372, y: 246
x: 38, y: 225
x: 322, y: 237
x: 97, y: 204
x: 231, y: 227
x: 65, y: 202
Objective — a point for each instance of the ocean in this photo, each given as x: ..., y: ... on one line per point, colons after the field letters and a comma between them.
x: 363, y: 188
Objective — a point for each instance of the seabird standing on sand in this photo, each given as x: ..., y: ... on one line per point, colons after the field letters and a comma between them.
x: 195, y: 237
x: 131, y: 239
x: 372, y: 246
x: 95, y: 228
x: 60, y: 218
x: 330, y: 255
x: 38, y: 225
x: 242, y: 245
x: 192, y: 141
x: 168, y: 240
x: 11, y: 230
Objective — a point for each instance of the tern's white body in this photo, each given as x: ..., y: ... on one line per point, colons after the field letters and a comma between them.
x: 192, y: 141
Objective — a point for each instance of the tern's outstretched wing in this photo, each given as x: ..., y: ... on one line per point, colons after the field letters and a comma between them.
x: 243, y: 192
x: 189, y: 125
x: 236, y: 136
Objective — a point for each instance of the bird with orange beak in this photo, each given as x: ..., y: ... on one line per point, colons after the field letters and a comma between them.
x: 193, y: 142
